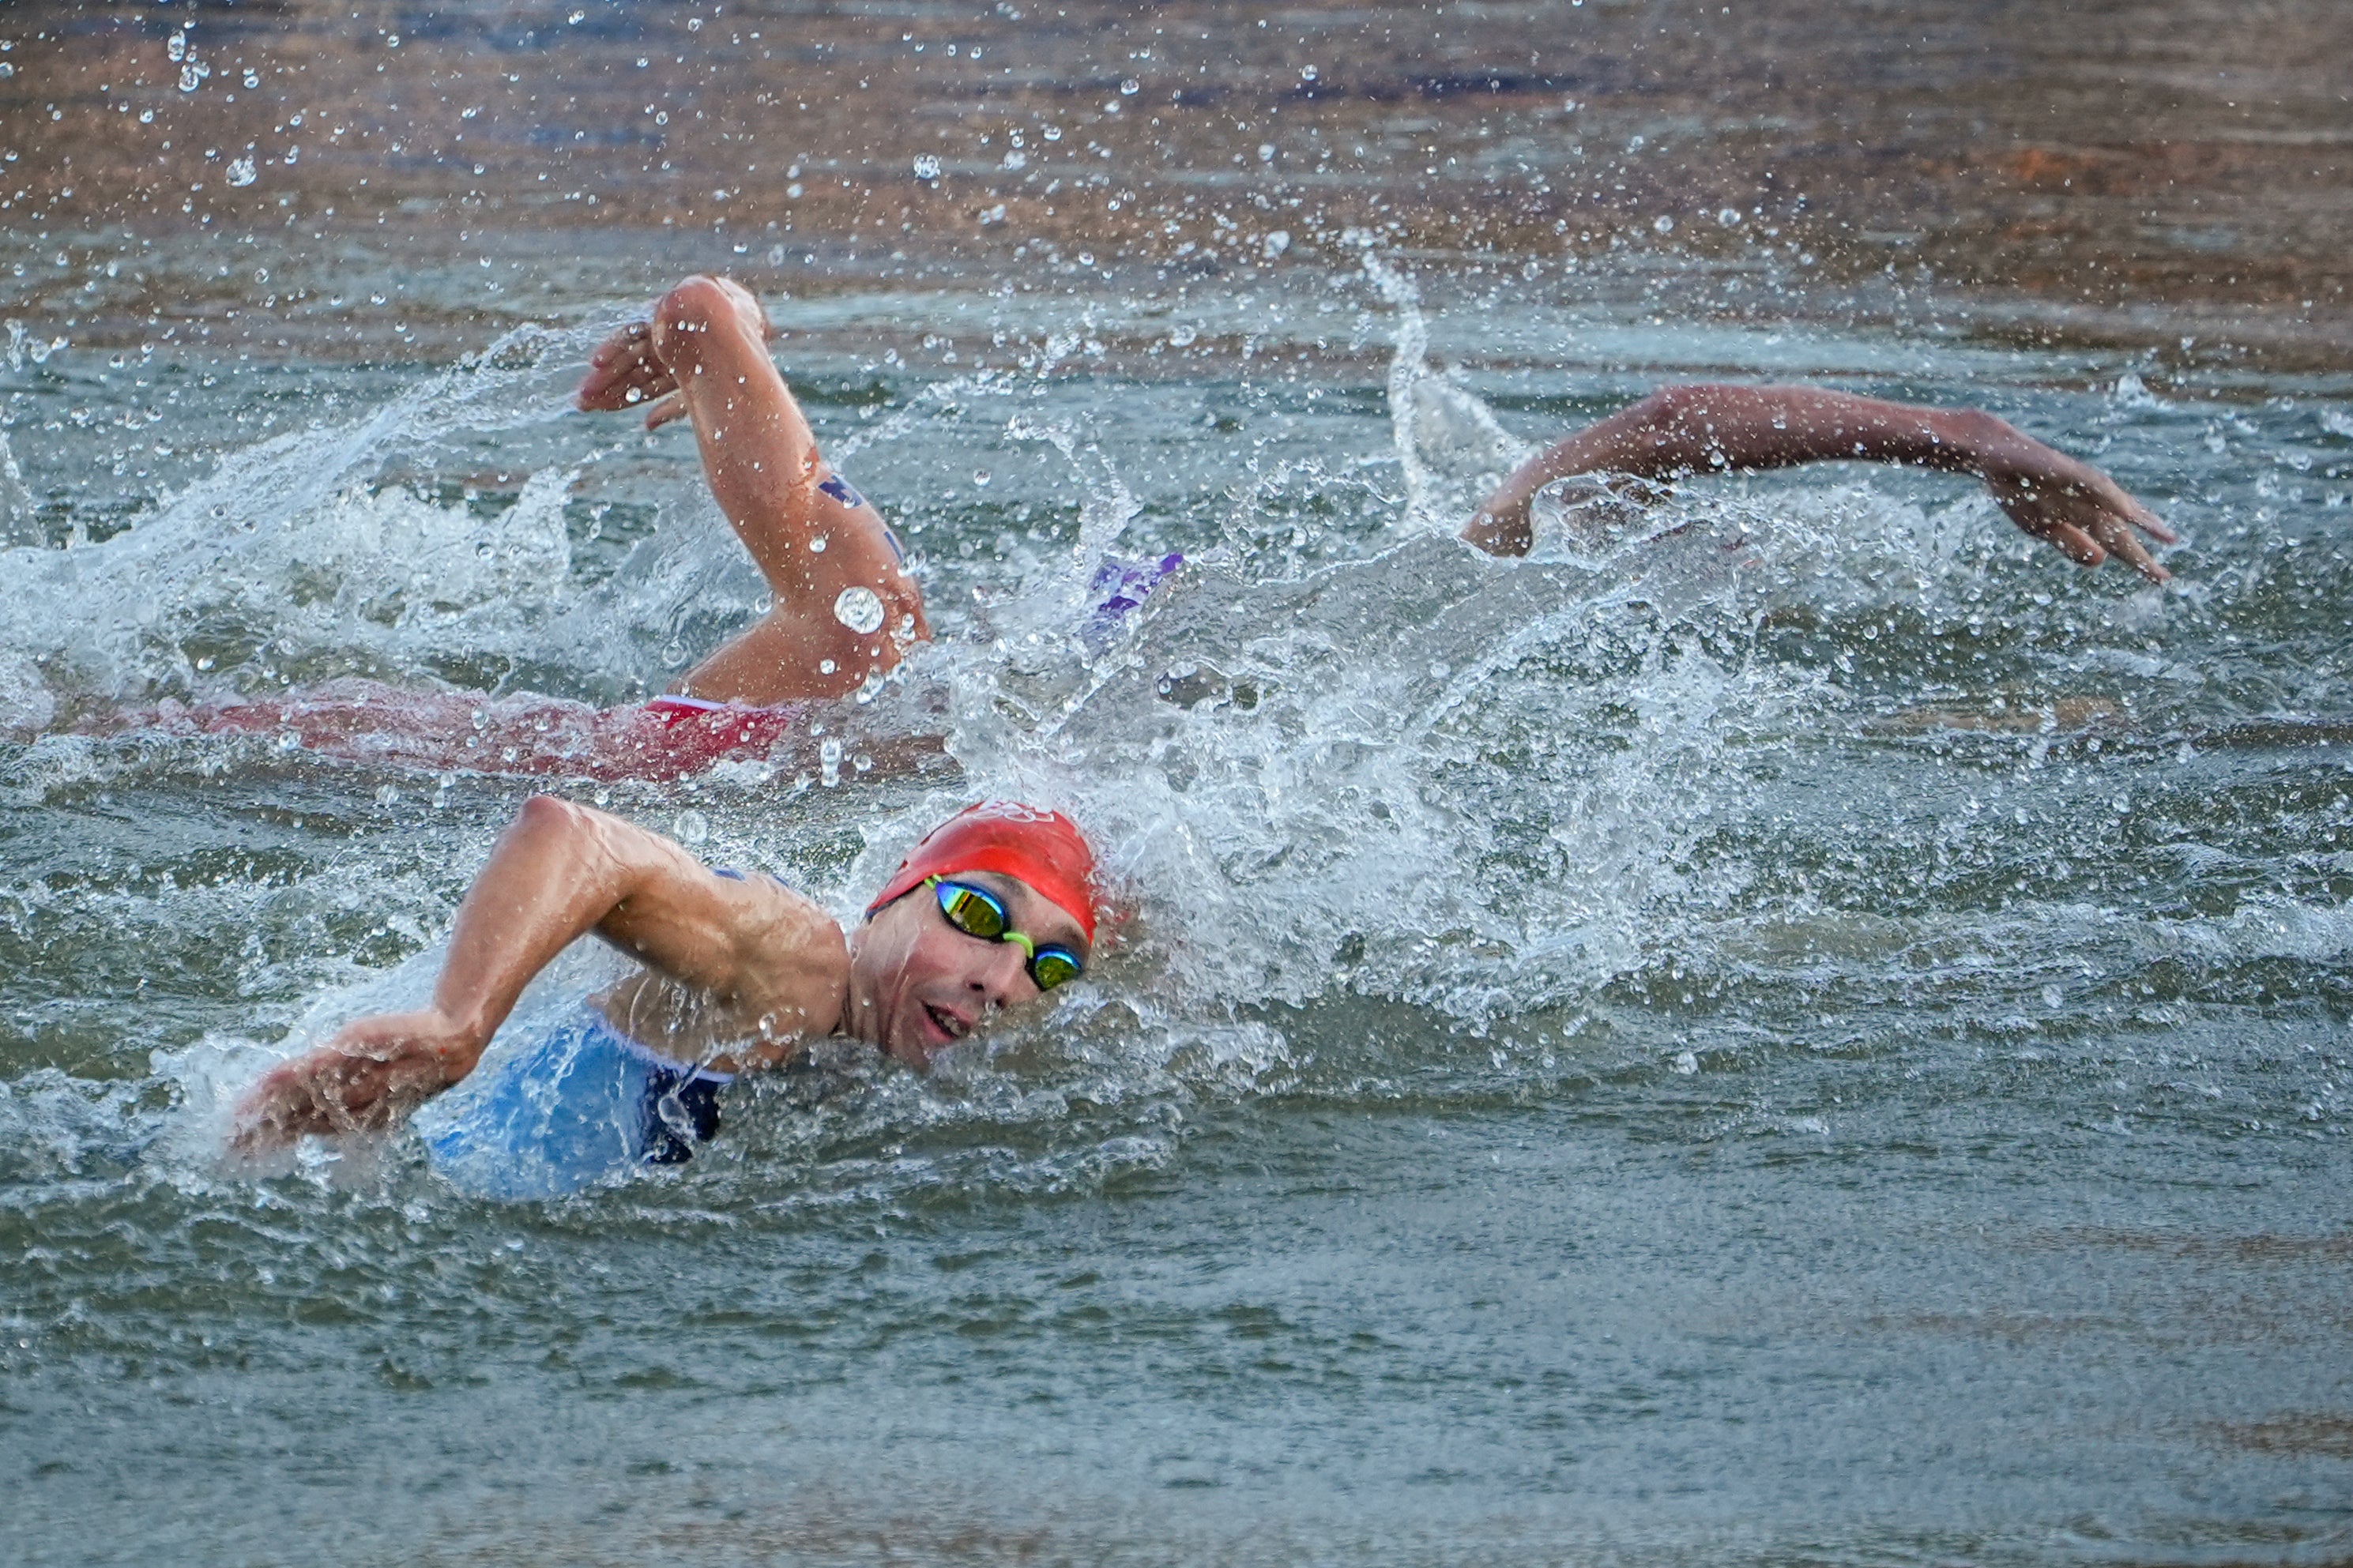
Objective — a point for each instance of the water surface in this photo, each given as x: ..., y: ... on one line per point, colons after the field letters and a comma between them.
x: 1809, y: 1031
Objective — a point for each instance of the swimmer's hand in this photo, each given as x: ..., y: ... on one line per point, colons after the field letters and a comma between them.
x: 1502, y: 526
x: 369, y: 1077
x: 2069, y: 505
x: 627, y: 369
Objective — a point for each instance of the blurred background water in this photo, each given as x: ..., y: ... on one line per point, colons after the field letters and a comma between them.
x: 1807, y: 1031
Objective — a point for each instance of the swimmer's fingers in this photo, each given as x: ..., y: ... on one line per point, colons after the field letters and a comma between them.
x: 2118, y: 500
x: 2120, y: 513
x: 2098, y: 508
x: 1501, y: 526
x: 303, y: 1097
x: 2074, y: 544
x: 370, y: 1076
x: 317, y: 1095
x: 624, y: 372
x: 665, y: 409
x: 2121, y: 543
x: 2083, y: 514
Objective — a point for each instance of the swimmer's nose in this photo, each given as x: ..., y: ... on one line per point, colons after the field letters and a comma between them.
x: 1005, y: 978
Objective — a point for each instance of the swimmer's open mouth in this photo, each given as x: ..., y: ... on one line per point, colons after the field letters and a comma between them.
x: 948, y: 1024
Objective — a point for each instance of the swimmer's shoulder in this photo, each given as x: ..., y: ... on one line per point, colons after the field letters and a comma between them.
x: 793, y: 950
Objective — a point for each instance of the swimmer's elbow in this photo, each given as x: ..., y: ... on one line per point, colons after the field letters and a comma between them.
x: 547, y: 815
x: 692, y: 307
x: 1677, y: 404
x: 1666, y: 404
x: 554, y: 826
x: 593, y: 855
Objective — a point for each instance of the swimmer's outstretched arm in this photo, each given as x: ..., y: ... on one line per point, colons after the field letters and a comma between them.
x: 764, y: 954
x: 1684, y: 430
x: 703, y: 355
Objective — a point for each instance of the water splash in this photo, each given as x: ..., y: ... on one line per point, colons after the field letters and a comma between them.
x: 1362, y: 801
x: 295, y: 559
x: 1451, y: 449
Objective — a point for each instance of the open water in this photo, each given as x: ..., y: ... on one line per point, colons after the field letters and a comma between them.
x: 1809, y: 1032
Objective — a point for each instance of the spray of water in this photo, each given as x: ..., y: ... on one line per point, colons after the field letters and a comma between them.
x: 1357, y: 802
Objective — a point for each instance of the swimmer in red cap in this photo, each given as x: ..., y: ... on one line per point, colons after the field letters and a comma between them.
x: 993, y: 909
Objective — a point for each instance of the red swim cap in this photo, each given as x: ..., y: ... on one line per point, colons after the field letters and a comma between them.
x: 1043, y: 848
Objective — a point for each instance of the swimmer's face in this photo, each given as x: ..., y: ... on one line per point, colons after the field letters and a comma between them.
x: 918, y: 984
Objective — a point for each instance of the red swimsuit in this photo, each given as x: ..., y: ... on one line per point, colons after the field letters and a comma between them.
x: 366, y: 722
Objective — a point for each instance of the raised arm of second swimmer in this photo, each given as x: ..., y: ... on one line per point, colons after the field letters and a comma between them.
x: 560, y: 871
x: 1683, y: 430
x: 815, y: 538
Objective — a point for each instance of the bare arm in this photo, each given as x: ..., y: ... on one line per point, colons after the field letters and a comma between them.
x: 1686, y: 430
x: 561, y: 871
x: 814, y: 538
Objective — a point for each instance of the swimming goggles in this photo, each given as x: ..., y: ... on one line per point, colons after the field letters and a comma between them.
x: 977, y: 911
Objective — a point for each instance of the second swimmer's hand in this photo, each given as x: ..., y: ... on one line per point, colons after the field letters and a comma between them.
x: 1501, y: 526
x: 2071, y: 505
x: 370, y: 1076
x: 625, y: 373
x: 627, y: 369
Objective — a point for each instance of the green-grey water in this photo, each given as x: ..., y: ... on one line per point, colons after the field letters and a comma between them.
x: 1814, y: 1032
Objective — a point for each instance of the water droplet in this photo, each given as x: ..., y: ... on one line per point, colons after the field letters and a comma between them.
x: 240, y: 171
x: 1663, y: 223
x: 177, y: 49
x: 926, y: 166
x: 817, y: 545
x: 1129, y: 87
x: 189, y: 77
x: 1307, y: 73
x: 980, y: 478
x: 859, y: 608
